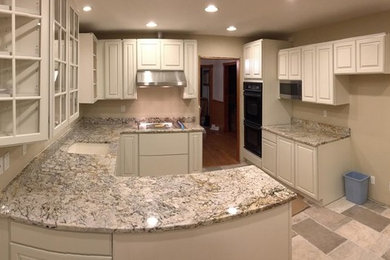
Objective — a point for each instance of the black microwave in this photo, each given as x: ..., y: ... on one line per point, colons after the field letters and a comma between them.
x: 290, y: 89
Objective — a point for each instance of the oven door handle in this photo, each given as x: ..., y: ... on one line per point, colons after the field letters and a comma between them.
x: 251, y: 94
x: 252, y: 125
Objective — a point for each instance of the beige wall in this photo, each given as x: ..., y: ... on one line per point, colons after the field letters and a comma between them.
x: 368, y: 114
x: 165, y: 102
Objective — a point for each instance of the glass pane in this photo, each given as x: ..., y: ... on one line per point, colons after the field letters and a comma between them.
x: 63, y: 108
x: 27, y: 78
x: 28, y: 6
x: 28, y: 36
x: 57, y: 105
x: 71, y: 78
x: 56, y: 47
x: 95, y: 90
x: 71, y: 51
x: 27, y: 116
x: 57, y: 10
x: 6, y: 78
x: 63, y: 45
x: 5, y: 34
x: 71, y: 21
x: 63, y: 78
x: 76, y: 52
x: 76, y: 25
x: 5, y: 4
x: 57, y: 86
x: 63, y: 13
x: 76, y: 101
x: 71, y: 106
x: 6, y: 126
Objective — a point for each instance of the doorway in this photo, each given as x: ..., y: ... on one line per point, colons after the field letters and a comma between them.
x: 219, y: 114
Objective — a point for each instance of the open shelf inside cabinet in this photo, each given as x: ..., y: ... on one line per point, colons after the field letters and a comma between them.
x: 6, y: 5
x: 27, y: 78
x: 27, y: 116
x: 28, y: 6
x: 5, y: 34
x: 28, y: 36
x: 6, y: 78
x: 6, y: 118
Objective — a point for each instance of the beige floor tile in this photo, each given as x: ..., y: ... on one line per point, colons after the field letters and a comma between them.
x: 299, y: 217
x: 327, y: 217
x: 358, y: 233
x: 386, y: 213
x: 381, y: 245
x: 374, y: 206
x: 350, y: 251
x: 303, y: 250
x: 367, y: 217
x: 340, y: 205
x: 386, y: 256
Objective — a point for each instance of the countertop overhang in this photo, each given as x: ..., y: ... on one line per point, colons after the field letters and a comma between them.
x: 76, y: 192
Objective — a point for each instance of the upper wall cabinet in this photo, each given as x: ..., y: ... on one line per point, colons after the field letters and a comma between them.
x: 253, y: 60
x: 156, y: 54
x: 24, y: 71
x: 88, y: 68
x: 361, y: 55
x: 113, y: 69
x: 191, y: 69
x: 290, y: 64
x: 129, y: 69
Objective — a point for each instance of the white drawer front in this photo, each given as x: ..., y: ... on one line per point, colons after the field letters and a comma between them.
x: 163, y: 144
x: 269, y: 136
x: 163, y: 165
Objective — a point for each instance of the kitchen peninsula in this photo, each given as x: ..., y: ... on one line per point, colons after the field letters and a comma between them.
x: 77, y: 201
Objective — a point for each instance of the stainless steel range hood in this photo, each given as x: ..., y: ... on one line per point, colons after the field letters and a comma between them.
x: 161, y: 78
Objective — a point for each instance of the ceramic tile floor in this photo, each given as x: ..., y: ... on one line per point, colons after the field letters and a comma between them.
x: 342, y: 230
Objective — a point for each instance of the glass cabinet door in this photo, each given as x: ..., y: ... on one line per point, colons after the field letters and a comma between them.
x: 23, y: 71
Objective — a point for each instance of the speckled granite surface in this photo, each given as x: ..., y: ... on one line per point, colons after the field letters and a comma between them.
x: 309, y: 132
x: 81, y: 193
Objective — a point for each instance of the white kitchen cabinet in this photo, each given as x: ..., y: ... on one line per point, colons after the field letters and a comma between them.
x: 163, y: 164
x: 195, y: 153
x: 285, y: 160
x: 345, y: 57
x: 24, y: 73
x: 129, y: 69
x: 191, y: 69
x: 306, y: 176
x: 371, y: 56
x: 88, y: 68
x: 128, y: 161
x: 289, y: 63
x: 172, y: 52
x: 309, y: 87
x: 253, y: 60
x: 324, y: 72
x: 113, y: 69
x: 269, y: 156
x: 148, y: 54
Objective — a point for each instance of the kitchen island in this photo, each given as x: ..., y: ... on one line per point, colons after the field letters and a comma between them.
x: 69, y: 206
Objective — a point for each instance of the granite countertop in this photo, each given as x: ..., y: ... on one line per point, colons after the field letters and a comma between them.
x: 78, y: 192
x: 310, y: 132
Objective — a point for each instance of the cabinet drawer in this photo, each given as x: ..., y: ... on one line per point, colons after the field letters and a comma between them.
x: 61, y: 241
x: 163, y: 144
x: 269, y: 136
x: 163, y: 165
x: 20, y: 252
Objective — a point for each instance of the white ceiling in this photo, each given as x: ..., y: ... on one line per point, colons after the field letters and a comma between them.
x: 251, y: 17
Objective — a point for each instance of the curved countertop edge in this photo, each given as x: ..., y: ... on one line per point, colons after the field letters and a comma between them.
x: 84, y: 229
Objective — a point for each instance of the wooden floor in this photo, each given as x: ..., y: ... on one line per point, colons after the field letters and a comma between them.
x: 219, y: 148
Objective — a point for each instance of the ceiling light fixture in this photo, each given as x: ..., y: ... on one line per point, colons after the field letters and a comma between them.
x: 151, y: 24
x: 211, y: 9
x: 87, y: 8
x: 231, y: 28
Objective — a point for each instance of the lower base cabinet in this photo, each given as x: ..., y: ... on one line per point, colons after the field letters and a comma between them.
x: 314, y: 171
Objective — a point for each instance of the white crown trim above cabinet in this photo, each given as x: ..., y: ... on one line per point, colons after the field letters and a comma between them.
x: 253, y: 66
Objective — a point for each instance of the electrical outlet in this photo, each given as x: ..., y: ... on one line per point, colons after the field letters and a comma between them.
x: 1, y: 165
x: 24, y: 149
x: 6, y: 161
x: 372, y: 179
x: 325, y: 113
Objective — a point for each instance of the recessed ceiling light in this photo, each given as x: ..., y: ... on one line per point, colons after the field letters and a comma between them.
x: 211, y: 9
x: 231, y: 28
x: 87, y: 8
x: 151, y: 24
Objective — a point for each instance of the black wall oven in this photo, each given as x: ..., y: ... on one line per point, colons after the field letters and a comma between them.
x: 253, y: 114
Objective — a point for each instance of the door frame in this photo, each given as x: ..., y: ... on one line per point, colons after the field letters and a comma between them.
x: 237, y: 61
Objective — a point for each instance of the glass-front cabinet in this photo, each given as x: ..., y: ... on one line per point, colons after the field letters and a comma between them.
x: 24, y: 63
x: 64, y: 64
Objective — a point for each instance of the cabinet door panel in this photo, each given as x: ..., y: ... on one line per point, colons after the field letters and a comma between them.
x: 129, y: 155
x: 345, y: 57
x: 148, y: 54
x: 285, y: 160
x: 283, y: 65
x: 325, y: 76
x: 129, y: 69
x: 370, y: 54
x: 247, y: 61
x: 256, y: 61
x: 195, y: 152
x: 113, y: 69
x: 269, y: 157
x: 191, y: 69
x: 172, y: 55
x: 309, y: 88
x: 163, y: 165
x: 306, y: 169
x: 294, y: 64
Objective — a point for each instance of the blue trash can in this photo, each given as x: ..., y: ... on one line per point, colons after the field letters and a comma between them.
x: 356, y: 187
